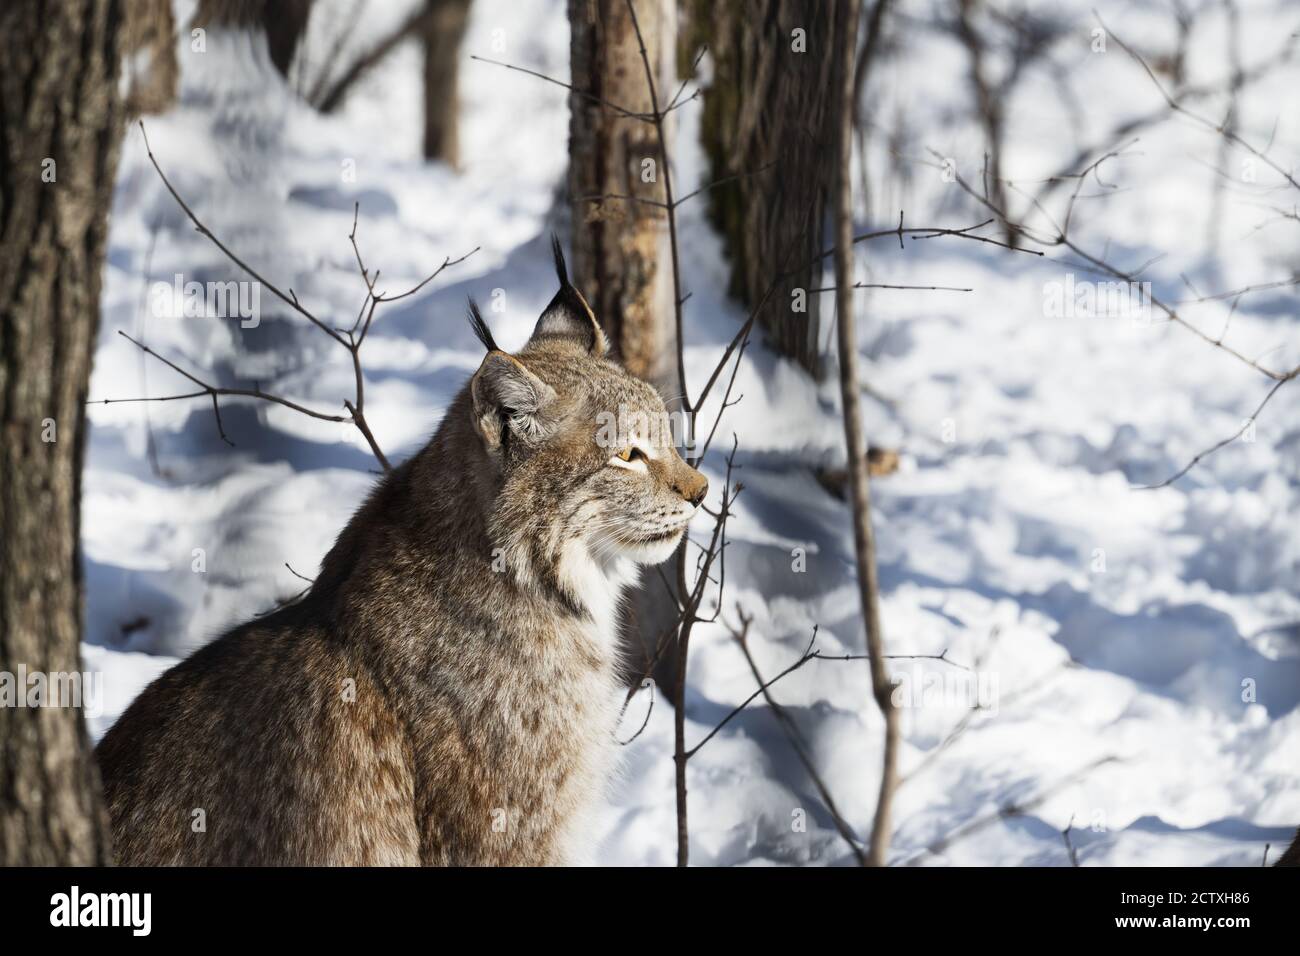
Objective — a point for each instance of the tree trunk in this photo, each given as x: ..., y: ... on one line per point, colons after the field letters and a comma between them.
x: 768, y: 122
x: 150, y: 45
x: 285, y: 21
x: 282, y: 21
x: 621, y: 256
x: 444, y: 28
x: 60, y: 118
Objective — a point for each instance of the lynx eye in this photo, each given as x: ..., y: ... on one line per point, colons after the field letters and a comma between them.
x: 630, y: 453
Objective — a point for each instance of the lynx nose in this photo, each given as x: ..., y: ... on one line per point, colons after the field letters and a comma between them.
x: 693, y: 487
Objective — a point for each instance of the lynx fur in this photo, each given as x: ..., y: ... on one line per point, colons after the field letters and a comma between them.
x: 447, y: 692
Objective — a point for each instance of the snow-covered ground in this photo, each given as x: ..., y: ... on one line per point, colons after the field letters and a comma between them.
x: 1137, y: 652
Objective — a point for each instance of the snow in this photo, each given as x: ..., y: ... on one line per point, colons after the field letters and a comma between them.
x: 1138, y: 651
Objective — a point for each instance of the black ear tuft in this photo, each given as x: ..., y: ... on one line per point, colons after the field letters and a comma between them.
x: 561, y: 270
x: 568, y: 316
x: 481, y: 330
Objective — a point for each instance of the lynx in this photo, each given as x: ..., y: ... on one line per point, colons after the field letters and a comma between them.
x: 447, y: 692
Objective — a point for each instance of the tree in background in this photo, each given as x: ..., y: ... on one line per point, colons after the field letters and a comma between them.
x: 61, y: 113
x: 440, y: 27
x: 621, y: 257
x: 443, y: 30
x: 150, y: 45
x: 768, y: 129
x: 283, y: 22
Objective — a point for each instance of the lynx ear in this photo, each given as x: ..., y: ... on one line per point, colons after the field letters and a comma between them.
x: 568, y: 316
x: 509, y: 401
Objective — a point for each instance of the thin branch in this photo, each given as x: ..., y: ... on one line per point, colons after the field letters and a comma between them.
x: 810, y: 654
x: 1227, y: 441
x: 913, y: 232
x: 1129, y: 127
x: 290, y: 300
x: 660, y: 204
x: 351, y: 339
x: 650, y: 708
x: 1071, y: 853
x: 723, y: 180
x: 797, y: 742
x: 212, y: 391
x: 1220, y: 128
x: 804, y: 658
x: 363, y: 426
x: 690, y: 606
x: 621, y: 110
x: 864, y: 545
x: 329, y: 102
x: 883, y: 285
x: 1061, y: 238
x: 1008, y: 811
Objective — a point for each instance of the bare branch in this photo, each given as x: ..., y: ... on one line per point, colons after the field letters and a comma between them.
x: 1070, y: 851
x: 646, y: 684
x: 1009, y: 810
x: 351, y: 339
x: 1060, y: 237
x: 213, y: 391
x: 810, y: 654
x: 622, y: 111
x: 864, y: 546
x: 797, y: 742
x: 1220, y: 128
x: 329, y: 102
x: 884, y: 285
x: 1227, y: 441
x: 289, y: 300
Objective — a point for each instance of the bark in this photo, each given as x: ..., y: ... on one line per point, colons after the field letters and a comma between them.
x: 150, y: 44
x: 59, y: 67
x: 621, y: 256
x: 444, y: 28
x: 768, y: 121
x: 864, y: 543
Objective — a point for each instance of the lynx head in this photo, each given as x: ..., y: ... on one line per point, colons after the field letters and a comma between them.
x: 586, y: 471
